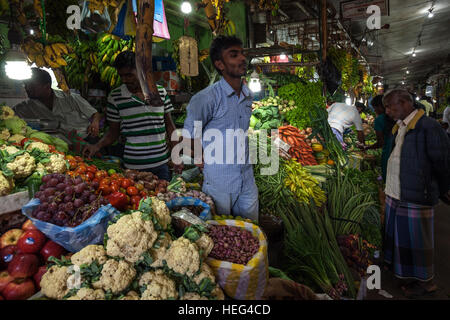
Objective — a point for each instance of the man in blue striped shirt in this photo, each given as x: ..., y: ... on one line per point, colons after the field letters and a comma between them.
x: 224, y: 109
x: 144, y: 126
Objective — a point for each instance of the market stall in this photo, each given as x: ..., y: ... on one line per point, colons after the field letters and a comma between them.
x: 134, y: 236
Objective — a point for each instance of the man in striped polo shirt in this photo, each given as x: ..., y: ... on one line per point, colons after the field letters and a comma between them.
x: 144, y: 127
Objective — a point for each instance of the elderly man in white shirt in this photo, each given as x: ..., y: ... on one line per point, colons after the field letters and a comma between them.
x: 70, y: 111
x: 342, y: 116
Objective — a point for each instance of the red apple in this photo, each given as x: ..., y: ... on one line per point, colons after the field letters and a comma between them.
x: 19, y: 289
x: 5, y: 278
x: 10, y: 237
x: 6, y: 255
x: 38, y: 276
x: 28, y: 225
x: 51, y: 248
x: 31, y: 241
x: 23, y: 265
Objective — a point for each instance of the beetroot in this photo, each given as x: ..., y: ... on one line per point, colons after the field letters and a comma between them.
x: 233, y: 244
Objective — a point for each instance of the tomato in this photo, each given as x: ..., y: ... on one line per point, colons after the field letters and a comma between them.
x: 80, y: 169
x: 92, y: 169
x: 69, y: 157
x: 71, y: 173
x: 143, y: 193
x: 100, y: 174
x: 116, y: 176
x: 73, y: 164
x: 132, y: 191
x: 114, y: 187
x: 23, y: 141
x: 51, y: 148
x: 135, y: 201
x: 139, y: 186
x: 105, y: 181
x: 126, y: 183
x: 78, y: 159
x: 105, y: 190
x: 111, y: 172
x: 90, y: 175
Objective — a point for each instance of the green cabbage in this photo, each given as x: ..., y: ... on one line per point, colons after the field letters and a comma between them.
x: 15, y: 125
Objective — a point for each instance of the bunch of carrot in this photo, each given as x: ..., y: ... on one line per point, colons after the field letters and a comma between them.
x: 299, y: 150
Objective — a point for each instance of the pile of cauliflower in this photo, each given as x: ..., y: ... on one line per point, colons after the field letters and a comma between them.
x: 139, y: 260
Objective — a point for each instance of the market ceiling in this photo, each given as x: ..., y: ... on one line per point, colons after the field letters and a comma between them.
x: 391, y: 52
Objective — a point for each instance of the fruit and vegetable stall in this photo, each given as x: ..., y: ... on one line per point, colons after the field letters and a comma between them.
x: 133, y: 236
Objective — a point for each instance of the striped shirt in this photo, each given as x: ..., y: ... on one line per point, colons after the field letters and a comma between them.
x: 143, y: 127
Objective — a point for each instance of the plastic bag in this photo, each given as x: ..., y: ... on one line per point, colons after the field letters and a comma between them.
x: 190, y: 201
x: 96, y: 21
x: 243, y: 282
x: 90, y: 231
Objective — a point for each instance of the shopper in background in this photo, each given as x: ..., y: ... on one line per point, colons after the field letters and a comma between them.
x: 226, y: 105
x: 144, y: 127
x: 342, y: 116
x: 71, y: 111
x: 418, y: 174
x: 446, y: 117
x: 383, y: 128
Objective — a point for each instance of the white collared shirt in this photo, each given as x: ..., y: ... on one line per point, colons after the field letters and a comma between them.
x: 393, y: 169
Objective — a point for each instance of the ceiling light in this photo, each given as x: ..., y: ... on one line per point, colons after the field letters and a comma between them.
x: 186, y: 7
x: 31, y: 31
x: 379, y: 83
x: 414, y: 54
x: 430, y: 14
x: 417, y: 98
x: 407, y: 71
x: 16, y: 66
x: 403, y: 82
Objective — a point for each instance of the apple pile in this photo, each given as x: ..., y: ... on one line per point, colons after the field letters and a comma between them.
x: 23, y: 257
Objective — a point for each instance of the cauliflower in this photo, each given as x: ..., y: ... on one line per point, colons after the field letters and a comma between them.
x: 16, y: 138
x: 158, y: 254
x: 22, y: 166
x: 183, y: 257
x: 88, y: 294
x: 193, y: 296
x: 41, y: 169
x: 57, y: 164
x: 4, y: 135
x: 131, y: 295
x: 38, y: 145
x: 6, y: 185
x: 130, y: 237
x: 158, y: 286
x: 116, y: 276
x: 54, y: 282
x: 161, y: 211
x: 206, y: 244
x: 89, y: 254
x: 6, y: 113
x: 206, y: 272
x: 10, y: 149
x: 218, y: 293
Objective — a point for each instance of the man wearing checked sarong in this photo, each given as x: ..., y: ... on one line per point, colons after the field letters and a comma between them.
x: 418, y: 175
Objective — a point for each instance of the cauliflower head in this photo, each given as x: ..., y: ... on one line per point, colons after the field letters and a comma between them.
x: 183, y: 257
x: 130, y: 237
x: 22, y: 166
x: 131, y: 295
x: 6, y: 185
x: 38, y: 145
x: 54, y: 282
x: 193, y: 296
x: 10, y: 149
x: 161, y: 212
x: 57, y: 164
x: 89, y: 254
x: 7, y: 113
x: 4, y: 134
x: 206, y: 244
x: 158, y: 254
x: 158, y: 286
x: 206, y: 272
x: 16, y: 138
x: 116, y: 276
x: 88, y: 294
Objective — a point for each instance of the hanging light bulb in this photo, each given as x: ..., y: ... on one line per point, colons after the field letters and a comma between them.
x: 186, y: 7
x: 407, y: 71
x: 255, y: 83
x: 403, y: 82
x: 348, y: 101
x: 16, y: 66
x: 430, y: 14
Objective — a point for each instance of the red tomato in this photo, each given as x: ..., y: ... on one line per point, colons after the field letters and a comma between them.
x: 100, y: 174
x: 90, y: 175
x: 105, y: 190
x: 132, y: 191
x: 51, y: 148
x: 23, y: 141
x: 143, y: 193
x: 135, y: 201
x: 105, y: 181
x: 78, y: 159
x: 126, y: 183
x: 114, y: 187
x: 92, y: 169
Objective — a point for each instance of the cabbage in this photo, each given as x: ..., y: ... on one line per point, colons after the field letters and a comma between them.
x: 59, y: 144
x: 15, y: 125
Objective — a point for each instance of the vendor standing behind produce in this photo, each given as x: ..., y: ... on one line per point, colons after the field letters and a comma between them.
x: 342, y: 116
x: 143, y: 126
x: 226, y: 105
x: 71, y: 111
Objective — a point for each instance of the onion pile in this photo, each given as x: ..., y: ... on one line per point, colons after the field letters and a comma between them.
x: 233, y: 244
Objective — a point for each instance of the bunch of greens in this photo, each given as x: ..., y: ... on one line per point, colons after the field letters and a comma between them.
x: 306, y: 95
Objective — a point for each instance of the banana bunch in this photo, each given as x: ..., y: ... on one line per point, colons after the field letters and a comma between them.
x: 303, y: 184
x: 50, y: 55
x: 109, y: 46
x: 82, y: 64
